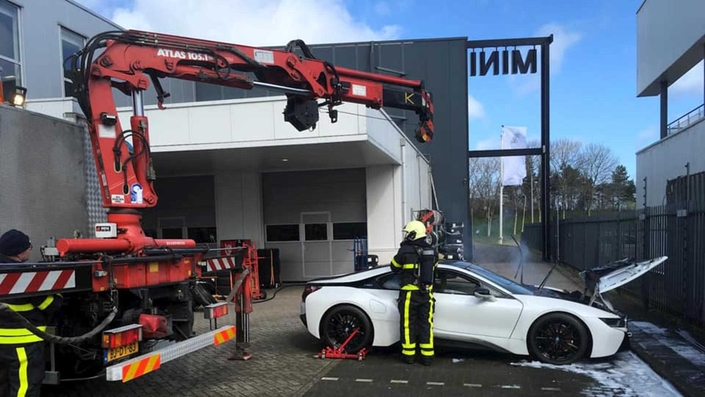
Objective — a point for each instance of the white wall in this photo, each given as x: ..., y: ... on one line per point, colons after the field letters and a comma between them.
x: 666, y: 160
x: 393, y: 193
x: 238, y: 206
x: 666, y: 31
x: 239, y: 123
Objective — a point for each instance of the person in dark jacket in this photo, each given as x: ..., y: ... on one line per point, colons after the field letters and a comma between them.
x: 22, y: 364
x: 416, y: 262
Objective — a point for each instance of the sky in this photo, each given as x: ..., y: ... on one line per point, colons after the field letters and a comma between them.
x: 593, y: 56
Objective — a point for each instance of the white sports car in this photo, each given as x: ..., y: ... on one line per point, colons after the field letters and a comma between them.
x: 477, y: 306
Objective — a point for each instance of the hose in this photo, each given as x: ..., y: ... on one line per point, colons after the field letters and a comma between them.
x: 60, y: 339
x: 277, y: 290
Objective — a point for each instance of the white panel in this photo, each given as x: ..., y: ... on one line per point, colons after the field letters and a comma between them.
x: 209, y: 124
x: 254, y: 122
x: 384, y: 223
x: 383, y: 133
x: 238, y: 207
x: 290, y: 260
x: 166, y: 128
x: 666, y: 30
x: 666, y: 160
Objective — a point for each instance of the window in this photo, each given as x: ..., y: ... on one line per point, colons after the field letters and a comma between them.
x: 349, y: 231
x: 282, y: 232
x: 70, y: 44
x: 316, y: 231
x: 10, y: 65
x: 453, y: 283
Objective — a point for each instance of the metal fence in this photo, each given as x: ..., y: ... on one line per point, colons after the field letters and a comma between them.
x: 676, y: 230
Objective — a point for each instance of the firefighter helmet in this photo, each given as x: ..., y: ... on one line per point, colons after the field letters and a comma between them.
x: 415, y: 230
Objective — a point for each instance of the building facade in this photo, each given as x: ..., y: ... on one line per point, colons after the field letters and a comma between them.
x: 229, y: 167
x: 670, y: 42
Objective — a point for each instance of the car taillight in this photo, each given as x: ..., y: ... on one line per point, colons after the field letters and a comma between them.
x: 308, y: 290
x: 123, y: 336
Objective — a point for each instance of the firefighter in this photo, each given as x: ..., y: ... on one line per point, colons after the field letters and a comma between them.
x: 22, y: 364
x: 416, y: 261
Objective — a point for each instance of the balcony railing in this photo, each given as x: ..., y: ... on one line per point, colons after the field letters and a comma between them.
x: 687, y: 120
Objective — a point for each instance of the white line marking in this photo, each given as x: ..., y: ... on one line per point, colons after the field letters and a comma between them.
x: 363, y: 380
x: 50, y: 281
x: 326, y: 378
x: 550, y: 389
x: 435, y: 383
x: 511, y: 387
x: 398, y: 381
x: 471, y: 385
x: 22, y: 283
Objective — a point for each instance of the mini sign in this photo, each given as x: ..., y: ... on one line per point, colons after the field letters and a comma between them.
x: 518, y: 64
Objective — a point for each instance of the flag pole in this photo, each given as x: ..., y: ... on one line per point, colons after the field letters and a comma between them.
x: 501, y: 186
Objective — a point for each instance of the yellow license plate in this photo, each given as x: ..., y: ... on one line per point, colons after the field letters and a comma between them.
x: 123, y: 351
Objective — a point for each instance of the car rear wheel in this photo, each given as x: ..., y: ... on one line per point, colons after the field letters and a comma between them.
x: 340, y: 322
x: 558, y: 338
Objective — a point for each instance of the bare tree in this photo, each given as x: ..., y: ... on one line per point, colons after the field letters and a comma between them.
x: 596, y: 164
x: 484, y: 185
x: 565, y: 153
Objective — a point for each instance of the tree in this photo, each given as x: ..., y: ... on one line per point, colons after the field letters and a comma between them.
x: 596, y: 164
x: 622, y: 189
x: 564, y: 153
x: 484, y: 186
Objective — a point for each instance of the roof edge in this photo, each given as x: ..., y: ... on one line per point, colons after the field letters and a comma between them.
x: 95, y: 14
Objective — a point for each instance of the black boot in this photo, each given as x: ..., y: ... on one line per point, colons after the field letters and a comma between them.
x: 425, y: 360
x: 408, y: 359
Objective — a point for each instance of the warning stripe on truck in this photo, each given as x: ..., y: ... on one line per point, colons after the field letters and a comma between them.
x: 141, y: 367
x: 149, y: 362
x: 215, y: 264
x: 224, y: 336
x: 28, y: 282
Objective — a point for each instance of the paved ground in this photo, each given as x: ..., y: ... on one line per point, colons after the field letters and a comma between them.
x: 283, y: 363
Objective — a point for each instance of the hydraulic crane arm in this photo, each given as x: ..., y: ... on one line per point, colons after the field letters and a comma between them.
x: 132, y: 58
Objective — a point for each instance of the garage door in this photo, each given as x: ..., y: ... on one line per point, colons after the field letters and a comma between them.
x: 313, y: 217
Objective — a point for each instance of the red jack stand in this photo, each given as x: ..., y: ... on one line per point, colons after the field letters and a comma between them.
x: 339, y: 352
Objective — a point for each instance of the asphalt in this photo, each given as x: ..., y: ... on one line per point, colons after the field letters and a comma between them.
x: 673, y: 349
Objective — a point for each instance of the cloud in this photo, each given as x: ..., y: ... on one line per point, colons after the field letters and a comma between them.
x: 563, y: 39
x: 269, y: 23
x: 690, y: 83
x: 475, y: 108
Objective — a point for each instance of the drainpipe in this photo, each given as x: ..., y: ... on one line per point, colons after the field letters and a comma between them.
x: 403, y: 180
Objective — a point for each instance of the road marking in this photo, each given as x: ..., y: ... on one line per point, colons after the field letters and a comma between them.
x: 550, y: 389
x: 435, y: 383
x: 398, y: 381
x: 363, y: 380
x: 471, y: 385
x: 511, y: 387
x: 326, y: 378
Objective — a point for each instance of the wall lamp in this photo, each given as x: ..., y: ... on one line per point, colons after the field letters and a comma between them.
x: 18, y: 99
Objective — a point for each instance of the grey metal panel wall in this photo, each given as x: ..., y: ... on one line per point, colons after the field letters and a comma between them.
x: 41, y: 49
x: 442, y: 64
x: 42, y: 182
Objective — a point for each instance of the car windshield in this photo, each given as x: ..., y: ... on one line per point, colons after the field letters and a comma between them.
x: 509, y: 285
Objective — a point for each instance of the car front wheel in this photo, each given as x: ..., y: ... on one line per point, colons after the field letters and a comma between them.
x: 340, y: 322
x: 558, y: 338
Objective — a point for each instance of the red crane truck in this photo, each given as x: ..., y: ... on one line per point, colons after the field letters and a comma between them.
x: 123, y: 291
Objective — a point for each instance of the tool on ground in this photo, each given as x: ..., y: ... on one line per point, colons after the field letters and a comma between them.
x: 340, y: 352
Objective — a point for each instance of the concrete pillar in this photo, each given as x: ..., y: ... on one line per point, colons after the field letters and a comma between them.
x: 664, y: 109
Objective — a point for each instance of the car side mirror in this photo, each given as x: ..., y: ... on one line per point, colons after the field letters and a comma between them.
x: 484, y: 293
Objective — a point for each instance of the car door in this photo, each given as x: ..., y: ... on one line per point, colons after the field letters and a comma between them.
x: 459, y: 312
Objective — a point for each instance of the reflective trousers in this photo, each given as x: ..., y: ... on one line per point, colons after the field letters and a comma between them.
x: 416, y: 322
x: 22, y: 369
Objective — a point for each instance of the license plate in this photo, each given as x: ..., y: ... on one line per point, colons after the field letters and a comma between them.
x: 120, y: 352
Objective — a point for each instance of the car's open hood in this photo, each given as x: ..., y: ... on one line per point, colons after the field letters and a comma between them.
x: 616, y: 274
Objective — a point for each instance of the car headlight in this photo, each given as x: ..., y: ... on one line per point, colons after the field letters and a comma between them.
x: 619, y: 322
